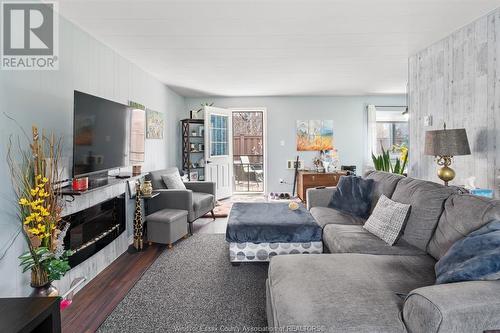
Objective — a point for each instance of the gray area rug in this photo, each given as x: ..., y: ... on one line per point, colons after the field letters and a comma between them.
x: 194, y: 288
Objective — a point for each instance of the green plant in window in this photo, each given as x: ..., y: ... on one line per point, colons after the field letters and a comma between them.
x: 383, y: 162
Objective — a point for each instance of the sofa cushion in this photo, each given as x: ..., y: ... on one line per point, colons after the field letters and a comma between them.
x: 156, y: 180
x: 384, y: 184
x: 325, y: 215
x: 202, y: 202
x: 354, y: 239
x: 344, y: 292
x: 463, y: 214
x: 387, y: 220
x: 427, y: 202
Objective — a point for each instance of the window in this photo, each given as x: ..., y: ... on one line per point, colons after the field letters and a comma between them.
x: 391, y: 134
x: 391, y: 129
x: 387, y: 128
x: 218, y: 132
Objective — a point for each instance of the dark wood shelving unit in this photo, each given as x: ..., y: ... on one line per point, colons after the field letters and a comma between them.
x: 187, y: 139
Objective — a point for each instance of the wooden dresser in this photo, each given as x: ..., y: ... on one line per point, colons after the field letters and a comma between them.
x: 311, y: 179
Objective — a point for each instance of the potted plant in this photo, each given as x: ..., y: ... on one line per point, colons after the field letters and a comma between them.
x: 35, y: 175
x: 383, y: 162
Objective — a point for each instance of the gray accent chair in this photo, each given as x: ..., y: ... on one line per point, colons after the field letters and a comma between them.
x: 197, y: 199
x: 365, y: 285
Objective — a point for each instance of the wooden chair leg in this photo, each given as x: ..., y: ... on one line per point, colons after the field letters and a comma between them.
x: 213, y: 214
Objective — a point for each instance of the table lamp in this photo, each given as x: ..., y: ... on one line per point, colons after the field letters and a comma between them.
x: 444, y: 144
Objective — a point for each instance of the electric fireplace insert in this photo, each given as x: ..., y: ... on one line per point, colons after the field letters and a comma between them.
x: 92, y: 229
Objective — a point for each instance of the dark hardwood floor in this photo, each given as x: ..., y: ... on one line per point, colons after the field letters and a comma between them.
x: 93, y: 304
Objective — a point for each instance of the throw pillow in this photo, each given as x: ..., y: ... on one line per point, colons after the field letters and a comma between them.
x: 173, y: 181
x: 475, y: 257
x: 353, y: 196
x: 387, y: 220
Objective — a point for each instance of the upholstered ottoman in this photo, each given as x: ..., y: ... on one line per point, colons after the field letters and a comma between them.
x: 167, y: 226
x: 258, y: 231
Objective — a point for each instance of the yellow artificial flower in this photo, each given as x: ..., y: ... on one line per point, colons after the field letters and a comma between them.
x: 23, y: 202
x: 34, y: 231
x: 38, y: 177
x: 44, y: 180
x: 404, y: 152
x: 34, y: 191
x: 42, y: 193
x: 28, y: 219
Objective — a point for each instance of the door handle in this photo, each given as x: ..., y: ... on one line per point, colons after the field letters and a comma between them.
x: 209, y: 161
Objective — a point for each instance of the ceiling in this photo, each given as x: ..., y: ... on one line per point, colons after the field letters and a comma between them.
x: 274, y: 47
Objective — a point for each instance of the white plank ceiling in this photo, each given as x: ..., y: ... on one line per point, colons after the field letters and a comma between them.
x: 274, y: 47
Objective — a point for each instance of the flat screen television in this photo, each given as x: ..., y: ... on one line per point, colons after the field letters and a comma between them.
x: 100, y: 135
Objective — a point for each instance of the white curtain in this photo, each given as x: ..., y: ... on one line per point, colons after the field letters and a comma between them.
x: 371, y: 135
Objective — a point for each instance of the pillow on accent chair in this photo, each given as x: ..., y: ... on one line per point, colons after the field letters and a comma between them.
x: 387, y: 220
x: 475, y: 257
x: 353, y: 196
x: 173, y: 181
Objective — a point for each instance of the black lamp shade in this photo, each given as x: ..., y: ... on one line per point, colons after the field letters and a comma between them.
x: 447, y: 142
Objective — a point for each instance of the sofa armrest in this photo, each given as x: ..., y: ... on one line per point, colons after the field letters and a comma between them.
x: 173, y: 199
x: 200, y: 186
x: 319, y: 197
x: 472, y: 306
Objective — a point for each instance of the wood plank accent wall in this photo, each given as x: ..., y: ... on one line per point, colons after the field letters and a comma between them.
x: 457, y: 81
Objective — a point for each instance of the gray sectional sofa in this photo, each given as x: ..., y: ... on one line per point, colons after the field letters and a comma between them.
x: 365, y: 285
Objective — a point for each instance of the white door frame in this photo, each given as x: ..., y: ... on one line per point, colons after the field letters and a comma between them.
x: 264, y: 142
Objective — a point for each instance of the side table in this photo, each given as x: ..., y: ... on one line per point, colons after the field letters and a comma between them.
x: 30, y: 314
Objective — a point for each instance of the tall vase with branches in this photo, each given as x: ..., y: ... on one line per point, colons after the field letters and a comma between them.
x: 35, y: 175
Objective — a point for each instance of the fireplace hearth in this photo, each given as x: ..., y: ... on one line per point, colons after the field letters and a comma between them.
x: 93, y: 228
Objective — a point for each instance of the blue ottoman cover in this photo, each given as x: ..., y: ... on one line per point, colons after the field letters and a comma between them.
x: 271, y: 223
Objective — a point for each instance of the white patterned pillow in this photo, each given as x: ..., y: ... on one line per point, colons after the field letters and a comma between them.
x: 173, y: 181
x: 387, y: 220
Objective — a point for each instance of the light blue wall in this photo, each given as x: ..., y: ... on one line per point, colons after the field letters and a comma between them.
x: 348, y: 114
x: 45, y: 98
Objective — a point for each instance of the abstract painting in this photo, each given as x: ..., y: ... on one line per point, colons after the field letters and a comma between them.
x: 154, y: 124
x: 314, y: 135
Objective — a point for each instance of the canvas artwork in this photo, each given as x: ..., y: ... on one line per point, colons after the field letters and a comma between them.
x: 314, y: 135
x: 154, y: 124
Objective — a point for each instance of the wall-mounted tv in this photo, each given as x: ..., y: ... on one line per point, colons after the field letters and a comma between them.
x: 100, y: 134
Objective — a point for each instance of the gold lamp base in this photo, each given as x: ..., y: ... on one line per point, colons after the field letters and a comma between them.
x: 446, y: 174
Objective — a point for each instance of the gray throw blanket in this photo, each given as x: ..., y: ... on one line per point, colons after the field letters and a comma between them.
x: 475, y: 257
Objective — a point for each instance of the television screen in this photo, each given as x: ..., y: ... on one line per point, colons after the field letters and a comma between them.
x: 100, y: 134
